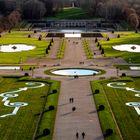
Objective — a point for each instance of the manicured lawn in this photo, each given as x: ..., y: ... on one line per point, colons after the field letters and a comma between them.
x: 48, y: 118
x: 72, y: 13
x: 22, y: 38
x: 126, y: 38
x: 22, y: 125
x: 61, y: 50
x: 87, y: 49
x: 125, y: 116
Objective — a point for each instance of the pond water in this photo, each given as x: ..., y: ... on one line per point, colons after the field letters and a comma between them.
x: 15, y: 48
x: 74, y: 71
x: 128, y: 47
x: 9, y: 67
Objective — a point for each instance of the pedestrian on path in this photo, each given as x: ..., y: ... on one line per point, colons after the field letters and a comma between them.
x: 83, y: 135
x: 77, y: 135
x: 73, y: 109
x: 72, y: 100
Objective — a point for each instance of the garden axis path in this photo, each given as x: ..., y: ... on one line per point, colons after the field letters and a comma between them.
x: 84, y: 118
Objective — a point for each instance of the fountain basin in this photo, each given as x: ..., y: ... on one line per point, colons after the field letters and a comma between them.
x: 9, y: 68
x: 75, y: 71
x: 16, y: 48
x: 128, y: 47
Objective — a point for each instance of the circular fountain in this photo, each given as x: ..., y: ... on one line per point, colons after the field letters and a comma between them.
x: 128, y: 47
x: 75, y: 72
x: 16, y: 48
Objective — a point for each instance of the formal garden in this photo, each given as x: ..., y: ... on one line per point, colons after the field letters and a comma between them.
x: 117, y: 103
x: 19, y: 54
x: 28, y: 107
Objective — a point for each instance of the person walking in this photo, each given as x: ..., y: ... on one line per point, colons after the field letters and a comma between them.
x: 72, y: 100
x: 73, y: 108
x: 77, y: 135
x: 83, y: 135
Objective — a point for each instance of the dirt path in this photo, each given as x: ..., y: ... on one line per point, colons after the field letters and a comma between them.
x: 85, y: 118
x: 54, y: 49
x: 74, y: 52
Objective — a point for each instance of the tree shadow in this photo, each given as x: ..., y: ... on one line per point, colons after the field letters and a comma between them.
x: 92, y: 112
x: 66, y: 113
x: 63, y: 104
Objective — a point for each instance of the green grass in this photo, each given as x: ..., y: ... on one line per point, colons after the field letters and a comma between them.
x: 22, y: 125
x: 87, y: 49
x: 61, y: 50
x: 125, y: 116
x: 126, y: 38
x: 16, y: 37
x: 71, y: 13
x: 105, y: 116
x: 48, y: 118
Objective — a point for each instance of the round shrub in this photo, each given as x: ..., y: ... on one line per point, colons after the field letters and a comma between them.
x: 35, y: 31
x: 101, y: 107
x: 108, y: 39
x: 112, y: 32
x: 39, y: 38
x: 123, y: 74
x: 96, y: 91
x: 29, y: 36
x: 118, y: 36
x: 51, y: 107
x: 26, y: 74
x: 30, y: 68
x: 54, y: 91
x: 46, y: 132
x: 108, y: 132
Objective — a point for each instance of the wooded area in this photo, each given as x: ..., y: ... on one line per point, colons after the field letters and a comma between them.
x: 13, y: 11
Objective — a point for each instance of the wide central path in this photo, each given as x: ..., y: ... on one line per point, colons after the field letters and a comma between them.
x: 84, y: 118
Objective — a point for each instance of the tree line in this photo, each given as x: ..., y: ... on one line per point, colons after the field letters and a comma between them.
x: 12, y: 11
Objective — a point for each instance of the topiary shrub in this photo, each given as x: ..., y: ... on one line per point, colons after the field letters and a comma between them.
x: 112, y: 32
x: 123, y: 74
x: 96, y: 91
x: 9, y: 31
x: 100, y: 48
x: 108, y: 39
x: 30, y: 68
x: 51, y: 107
x: 102, y: 51
x: 96, y: 39
x: 118, y: 36
x: 46, y: 132
x: 26, y: 74
x: 39, y: 39
x: 136, y: 31
x: 0, y: 36
x: 54, y: 91
x: 29, y: 36
x: 98, y: 44
x: 35, y: 31
x: 108, y: 132
x: 101, y: 107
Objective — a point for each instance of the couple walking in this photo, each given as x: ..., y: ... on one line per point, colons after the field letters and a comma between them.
x: 83, y: 135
